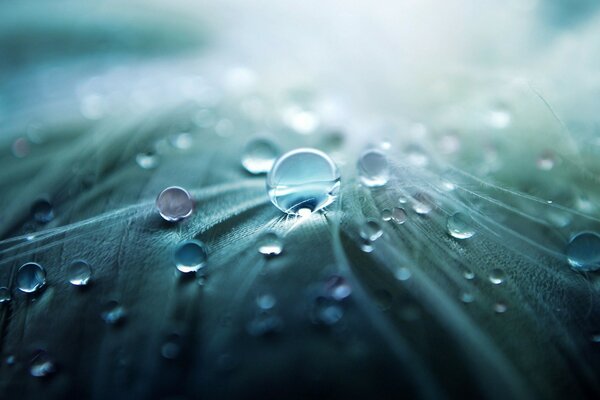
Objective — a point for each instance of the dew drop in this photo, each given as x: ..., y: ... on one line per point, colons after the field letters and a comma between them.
x: 373, y: 168
x: 303, y: 179
x: 79, y: 273
x: 595, y: 338
x: 500, y: 308
x: 42, y: 211
x: 402, y: 274
x: 371, y: 230
x: 264, y: 323
x: 270, y: 244
x: 466, y: 297
x: 266, y: 301
x: 10, y: 360
x: 174, y: 203
x: 20, y: 147
x: 546, y: 161
x: 583, y: 252
x: 31, y: 277
x: 326, y: 312
x: 386, y: 215
x: 422, y: 204
x: 460, y: 226
x: 171, y: 348
x: 415, y: 155
x: 41, y: 365
x: 259, y: 155
x: 366, y: 246
x: 190, y: 256
x: 147, y: 160
x: 4, y: 295
x: 468, y: 275
x: 338, y: 288
x: 181, y: 141
x: 113, y: 313
x: 399, y: 215
x: 497, y: 276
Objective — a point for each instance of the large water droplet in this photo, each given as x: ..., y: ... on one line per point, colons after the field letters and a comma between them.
x: 497, y: 276
x: 174, y: 203
x: 42, y: 211
x: 583, y: 252
x: 113, y: 313
x: 259, y: 155
x: 371, y: 230
x: 4, y: 295
x: 79, y: 273
x: 190, y: 256
x: 373, y: 168
x: 303, y: 180
x: 41, y: 365
x: 460, y: 226
x: 31, y: 277
x: 270, y: 244
x: 399, y: 215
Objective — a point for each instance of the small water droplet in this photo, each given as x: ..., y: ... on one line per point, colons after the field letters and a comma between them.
x: 171, y: 348
x: 415, y: 155
x: 583, y: 252
x: 300, y: 120
x: 371, y: 230
x: 460, y: 226
x: 10, y: 360
x: 338, y: 288
x: 469, y: 275
x: 42, y: 211
x: 373, y: 168
x: 174, y: 203
x: 266, y: 301
x: 148, y: 160
x: 303, y: 179
x: 190, y: 256
x: 399, y: 215
x: 113, y: 313
x: 386, y: 214
x: 264, y: 323
x: 499, y: 117
x: 20, y: 147
x: 181, y: 141
x: 79, y: 273
x: 4, y: 295
x: 31, y: 277
x: 259, y: 155
x: 270, y: 244
x: 466, y: 297
x: 402, y: 274
x: 366, y: 246
x: 41, y: 365
x: 422, y: 204
x: 595, y: 338
x: 500, y: 308
x: 546, y: 161
x: 326, y: 312
x: 497, y: 276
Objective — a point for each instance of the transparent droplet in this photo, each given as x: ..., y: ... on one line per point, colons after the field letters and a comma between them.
x: 259, y: 155
x: 468, y: 275
x: 386, y: 214
x: 500, y: 308
x: 402, y: 274
x: 10, y: 360
x: 300, y: 120
x: 373, y: 168
x: 41, y: 365
x: 460, y: 226
x: 79, y: 273
x: 371, y: 230
x: 583, y: 252
x: 399, y: 215
x: 466, y: 297
x: 4, y: 295
x: 31, y: 277
x: 181, y: 141
x: 174, y: 203
x: 415, y: 155
x: 497, y: 276
x: 422, y: 204
x: 326, y: 312
x: 366, y: 246
x: 270, y: 244
x: 546, y: 161
x: 303, y: 179
x: 42, y: 211
x: 171, y: 348
x: 499, y: 117
x: 266, y: 301
x: 190, y: 256
x: 113, y: 313
x: 147, y: 160
x: 338, y: 288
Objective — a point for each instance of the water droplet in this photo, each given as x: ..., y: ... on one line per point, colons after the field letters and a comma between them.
x: 373, y: 168
x: 460, y: 226
x: 595, y: 338
x: 499, y: 117
x: 113, y: 313
x: 300, y: 120
x: 79, y: 273
x: 338, y: 288
x: 270, y: 244
x: 42, y: 211
x: 583, y: 252
x: 466, y: 297
x: 147, y: 160
x: 4, y: 295
x: 264, y: 323
x: 41, y: 365
x: 266, y: 301
x: 422, y: 204
x: 497, y: 276
x: 10, y: 360
x: 259, y: 155
x: 367, y: 246
x: 371, y: 230
x: 402, y: 274
x: 31, y: 277
x: 326, y: 312
x: 190, y: 256
x: 303, y: 179
x: 399, y: 215
x: 174, y: 203
x: 20, y: 147
x: 386, y: 214
x: 546, y: 161
x: 415, y: 155
x: 171, y: 348
x: 181, y: 141
x: 469, y: 275
x: 500, y: 308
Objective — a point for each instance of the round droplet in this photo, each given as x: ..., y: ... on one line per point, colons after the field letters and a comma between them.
x: 422, y: 204
x: 399, y: 215
x: 546, y: 161
x: 42, y: 211
x: 303, y: 180
x: 497, y: 276
x: 270, y: 244
x: 583, y: 252
x: 190, y: 256
x: 366, y: 246
x: 386, y: 214
x: 181, y: 141
x: 147, y: 160
x: 20, y: 147
x: 338, y: 288
x: 113, y: 313
x: 402, y: 274
x: 460, y: 226
x: 500, y: 308
x: 174, y: 203
x: 326, y: 311
x: 371, y: 230
x: 416, y: 156
x: 259, y: 155
x: 4, y: 295
x: 373, y: 168
x: 171, y: 348
x: 469, y: 275
x: 41, y: 365
x: 31, y: 277
x: 266, y: 301
x: 79, y: 273
x: 466, y: 297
